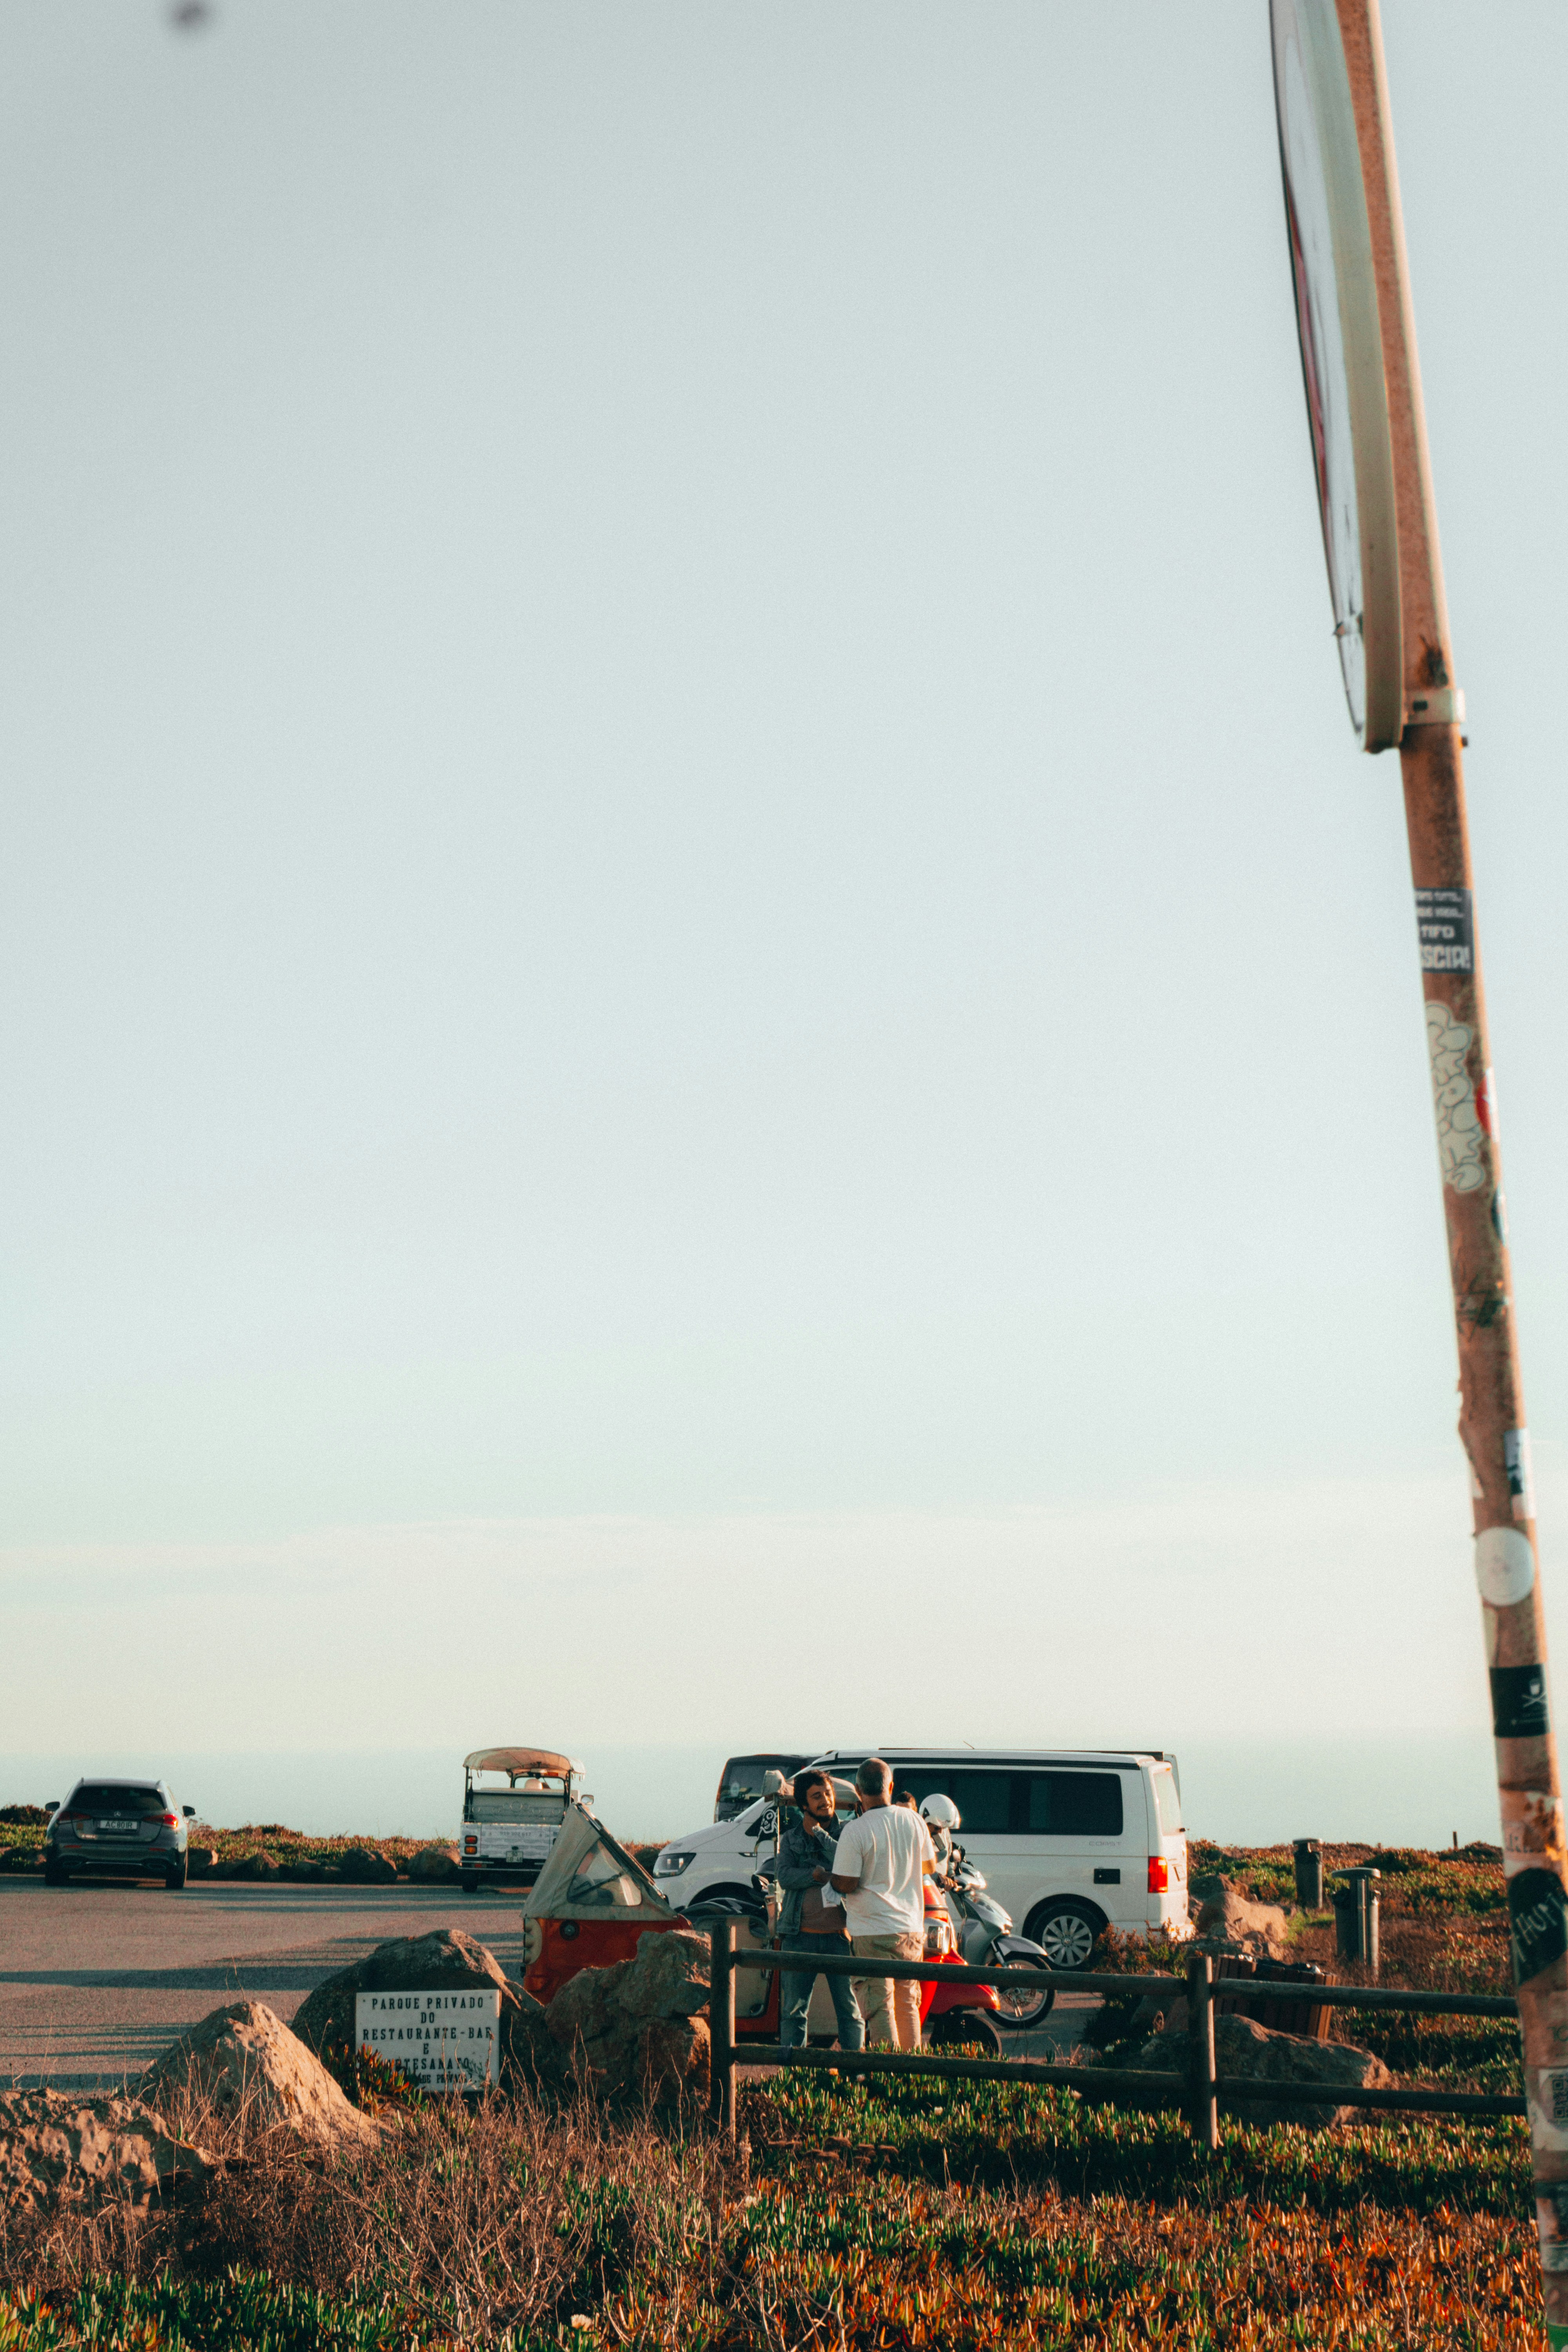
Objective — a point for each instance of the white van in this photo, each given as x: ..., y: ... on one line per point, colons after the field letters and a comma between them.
x: 1072, y: 1841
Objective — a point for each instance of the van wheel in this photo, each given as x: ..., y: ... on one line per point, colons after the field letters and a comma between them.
x: 1066, y: 1931
x: 470, y: 1883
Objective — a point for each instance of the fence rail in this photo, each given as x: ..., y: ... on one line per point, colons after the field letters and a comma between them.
x: 1200, y: 2093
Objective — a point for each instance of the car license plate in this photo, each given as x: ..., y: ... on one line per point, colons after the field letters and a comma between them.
x: 116, y: 1826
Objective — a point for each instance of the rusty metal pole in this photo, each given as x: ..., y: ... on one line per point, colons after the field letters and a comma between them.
x: 1493, y: 1423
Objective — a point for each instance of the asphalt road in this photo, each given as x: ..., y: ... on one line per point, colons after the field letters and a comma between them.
x: 95, y: 1981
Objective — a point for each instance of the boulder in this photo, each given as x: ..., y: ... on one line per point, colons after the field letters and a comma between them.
x: 444, y: 1961
x: 59, y: 2149
x: 1257, y: 1927
x: 200, y: 1860
x: 361, y: 1865
x: 304, y: 1872
x: 635, y: 2029
x: 434, y: 1865
x: 258, y: 1864
x: 243, y: 2061
x: 1255, y: 2054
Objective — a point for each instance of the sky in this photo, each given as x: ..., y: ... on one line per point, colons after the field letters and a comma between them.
x: 710, y: 1036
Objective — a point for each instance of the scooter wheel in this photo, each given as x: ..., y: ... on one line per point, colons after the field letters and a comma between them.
x: 1020, y: 2006
x: 965, y: 2029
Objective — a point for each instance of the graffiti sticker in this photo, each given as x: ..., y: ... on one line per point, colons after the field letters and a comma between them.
x: 1518, y: 1703
x: 1461, y: 1138
x: 1521, y: 1479
x: 1538, y: 1912
x: 1445, y: 927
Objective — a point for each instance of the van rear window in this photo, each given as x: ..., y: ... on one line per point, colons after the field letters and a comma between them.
x: 1074, y: 1804
x: 1168, y: 1801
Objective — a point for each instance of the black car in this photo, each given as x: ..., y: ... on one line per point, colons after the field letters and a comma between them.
x: 116, y: 1829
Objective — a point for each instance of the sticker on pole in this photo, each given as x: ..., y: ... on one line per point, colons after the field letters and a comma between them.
x: 437, y: 2041
x: 1342, y: 360
x: 1505, y: 1566
x: 1537, y: 1914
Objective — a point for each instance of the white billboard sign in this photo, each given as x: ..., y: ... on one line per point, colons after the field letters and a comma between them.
x: 438, y: 2041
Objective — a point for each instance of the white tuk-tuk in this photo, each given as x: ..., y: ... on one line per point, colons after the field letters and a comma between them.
x: 508, y: 1833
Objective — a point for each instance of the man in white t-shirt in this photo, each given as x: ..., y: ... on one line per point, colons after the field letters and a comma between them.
x: 880, y: 1868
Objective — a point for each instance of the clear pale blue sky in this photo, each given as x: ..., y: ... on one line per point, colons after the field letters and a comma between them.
x: 708, y: 1030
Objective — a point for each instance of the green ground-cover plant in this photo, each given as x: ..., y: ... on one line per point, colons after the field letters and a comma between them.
x: 901, y: 2214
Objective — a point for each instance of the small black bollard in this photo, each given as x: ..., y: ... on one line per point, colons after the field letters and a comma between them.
x: 1309, y: 1873
x: 721, y: 2026
x: 1356, y: 1917
x: 1203, y: 2104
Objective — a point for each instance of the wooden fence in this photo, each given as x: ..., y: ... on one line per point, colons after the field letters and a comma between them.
x: 1200, y: 2093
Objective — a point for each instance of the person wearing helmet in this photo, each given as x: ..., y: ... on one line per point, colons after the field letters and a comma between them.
x: 941, y: 1817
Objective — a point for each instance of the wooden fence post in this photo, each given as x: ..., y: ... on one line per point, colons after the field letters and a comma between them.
x: 1200, y: 2046
x: 721, y: 2026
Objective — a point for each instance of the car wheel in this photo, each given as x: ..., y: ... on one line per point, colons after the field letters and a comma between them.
x: 964, y: 2028
x: 1065, y: 1931
x: 470, y: 1883
x: 1020, y: 2006
x: 54, y: 1876
x: 175, y: 1877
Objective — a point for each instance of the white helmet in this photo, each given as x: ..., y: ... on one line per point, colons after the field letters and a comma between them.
x: 942, y: 1808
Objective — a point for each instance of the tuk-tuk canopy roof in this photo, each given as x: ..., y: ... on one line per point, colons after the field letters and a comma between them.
x: 516, y: 1761
x: 589, y: 1877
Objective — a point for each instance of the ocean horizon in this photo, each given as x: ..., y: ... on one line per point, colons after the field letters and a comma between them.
x: 1419, y: 1788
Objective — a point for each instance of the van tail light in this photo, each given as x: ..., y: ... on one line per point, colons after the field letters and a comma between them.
x: 470, y: 1845
x: 1159, y: 1875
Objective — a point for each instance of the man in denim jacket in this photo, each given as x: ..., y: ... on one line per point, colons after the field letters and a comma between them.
x: 811, y: 1918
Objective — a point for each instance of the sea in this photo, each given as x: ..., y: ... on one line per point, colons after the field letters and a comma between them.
x: 1420, y: 1789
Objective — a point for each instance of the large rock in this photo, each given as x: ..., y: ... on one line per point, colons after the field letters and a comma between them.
x: 1256, y: 1927
x: 258, y: 1864
x: 58, y: 2149
x: 244, y: 2061
x: 446, y: 1961
x: 1253, y: 2052
x: 363, y: 1866
x: 434, y: 1865
x: 635, y: 2029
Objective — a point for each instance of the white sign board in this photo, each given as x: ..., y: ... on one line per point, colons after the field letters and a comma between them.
x: 439, y: 2041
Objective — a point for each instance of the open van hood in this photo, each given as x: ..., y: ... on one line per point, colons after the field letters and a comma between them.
x: 589, y: 1877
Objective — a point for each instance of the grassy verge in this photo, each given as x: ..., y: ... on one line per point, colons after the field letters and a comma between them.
x: 900, y: 2217
x: 258, y: 1849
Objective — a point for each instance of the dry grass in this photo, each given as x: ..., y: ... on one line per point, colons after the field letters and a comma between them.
x: 475, y: 2217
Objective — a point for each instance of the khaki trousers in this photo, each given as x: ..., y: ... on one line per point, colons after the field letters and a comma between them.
x: 890, y: 2005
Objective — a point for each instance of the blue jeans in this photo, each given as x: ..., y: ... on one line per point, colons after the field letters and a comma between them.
x: 796, y: 1989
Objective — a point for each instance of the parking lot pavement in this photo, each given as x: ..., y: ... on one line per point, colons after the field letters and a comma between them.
x: 1060, y: 2033
x: 95, y: 1980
